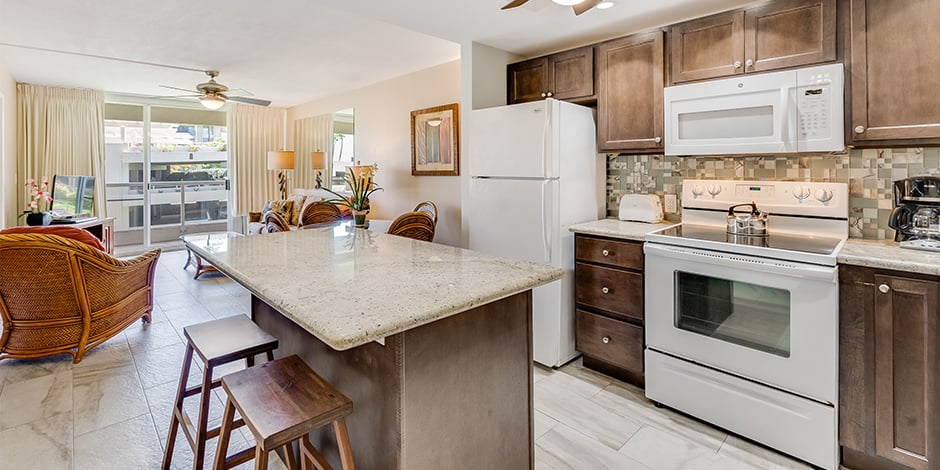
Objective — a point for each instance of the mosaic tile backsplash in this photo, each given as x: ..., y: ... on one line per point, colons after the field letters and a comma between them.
x: 868, y: 172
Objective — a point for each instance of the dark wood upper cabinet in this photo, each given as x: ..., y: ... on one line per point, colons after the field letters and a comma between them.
x: 892, y: 49
x: 708, y: 47
x: 566, y: 75
x: 777, y: 35
x: 630, y: 93
x: 889, y: 374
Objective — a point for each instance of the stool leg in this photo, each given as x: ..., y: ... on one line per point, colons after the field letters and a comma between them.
x: 342, y: 441
x: 177, y: 407
x: 309, y: 454
x: 250, y: 361
x: 289, y: 457
x: 226, y: 432
x: 270, y: 355
x: 205, y: 395
x: 261, y: 458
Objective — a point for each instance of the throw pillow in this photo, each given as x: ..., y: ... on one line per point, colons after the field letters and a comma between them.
x: 281, y: 206
x: 297, y: 203
x: 65, y: 231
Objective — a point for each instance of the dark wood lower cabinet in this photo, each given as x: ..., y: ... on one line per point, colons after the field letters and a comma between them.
x: 889, y: 413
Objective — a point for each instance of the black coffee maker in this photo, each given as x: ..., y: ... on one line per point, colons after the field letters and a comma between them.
x: 911, y: 195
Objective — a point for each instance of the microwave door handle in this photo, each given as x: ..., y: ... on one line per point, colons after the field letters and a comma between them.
x: 785, y: 117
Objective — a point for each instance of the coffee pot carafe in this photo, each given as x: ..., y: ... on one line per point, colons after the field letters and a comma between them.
x: 916, y: 214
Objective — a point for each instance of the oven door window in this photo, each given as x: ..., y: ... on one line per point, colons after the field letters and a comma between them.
x: 749, y: 315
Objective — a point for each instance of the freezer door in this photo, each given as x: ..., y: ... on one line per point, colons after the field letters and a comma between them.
x: 511, y: 141
x: 513, y: 218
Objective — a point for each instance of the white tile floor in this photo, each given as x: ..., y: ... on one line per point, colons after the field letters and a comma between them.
x: 111, y: 411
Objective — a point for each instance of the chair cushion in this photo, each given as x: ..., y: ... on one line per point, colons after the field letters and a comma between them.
x: 66, y: 231
x: 281, y: 206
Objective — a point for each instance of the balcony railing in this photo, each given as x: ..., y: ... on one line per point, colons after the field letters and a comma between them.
x: 181, y: 206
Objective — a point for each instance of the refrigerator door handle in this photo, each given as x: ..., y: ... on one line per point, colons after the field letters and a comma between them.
x: 546, y: 236
x: 546, y: 139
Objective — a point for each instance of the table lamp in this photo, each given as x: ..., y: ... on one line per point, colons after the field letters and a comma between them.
x: 281, y: 160
x: 318, y: 160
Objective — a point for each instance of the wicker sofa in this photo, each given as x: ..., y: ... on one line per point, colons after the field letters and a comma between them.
x: 293, y: 209
x: 59, y: 295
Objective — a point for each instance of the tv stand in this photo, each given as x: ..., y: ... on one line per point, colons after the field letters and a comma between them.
x: 102, y: 228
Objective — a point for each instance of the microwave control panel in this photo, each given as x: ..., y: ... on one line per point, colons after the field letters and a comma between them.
x: 813, y: 102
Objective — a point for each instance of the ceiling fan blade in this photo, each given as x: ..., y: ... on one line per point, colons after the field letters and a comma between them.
x: 177, y: 89
x: 585, y: 6
x: 238, y: 92
x: 246, y: 100
x: 513, y: 4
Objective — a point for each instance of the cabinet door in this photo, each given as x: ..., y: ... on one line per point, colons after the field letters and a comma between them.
x: 906, y: 370
x: 789, y: 33
x: 708, y: 47
x: 630, y: 93
x: 528, y: 80
x: 571, y: 74
x: 894, y: 70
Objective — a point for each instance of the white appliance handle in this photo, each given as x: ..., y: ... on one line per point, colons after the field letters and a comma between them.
x: 546, y: 138
x: 546, y: 236
x: 785, y: 117
x: 743, y: 262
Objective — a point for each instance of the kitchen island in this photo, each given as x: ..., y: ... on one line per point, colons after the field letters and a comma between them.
x: 432, y: 343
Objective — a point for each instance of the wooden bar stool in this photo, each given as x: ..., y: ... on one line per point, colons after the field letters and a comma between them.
x: 283, y: 401
x: 216, y: 342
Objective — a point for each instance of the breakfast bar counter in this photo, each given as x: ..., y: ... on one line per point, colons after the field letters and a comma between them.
x: 432, y: 343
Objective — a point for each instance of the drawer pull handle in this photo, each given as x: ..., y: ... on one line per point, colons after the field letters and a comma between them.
x: 605, y: 339
x: 606, y: 290
x: 605, y: 253
x: 884, y: 288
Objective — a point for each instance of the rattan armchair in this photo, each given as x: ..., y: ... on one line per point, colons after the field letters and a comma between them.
x: 58, y: 295
x: 274, y: 222
x: 429, y: 207
x: 415, y: 225
x: 320, y: 213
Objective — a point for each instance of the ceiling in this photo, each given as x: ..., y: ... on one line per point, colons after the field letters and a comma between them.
x: 291, y: 51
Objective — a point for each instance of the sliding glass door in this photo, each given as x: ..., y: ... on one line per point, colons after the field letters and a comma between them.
x: 166, y: 173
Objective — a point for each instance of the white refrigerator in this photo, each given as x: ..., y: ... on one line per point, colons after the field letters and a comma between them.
x: 534, y: 172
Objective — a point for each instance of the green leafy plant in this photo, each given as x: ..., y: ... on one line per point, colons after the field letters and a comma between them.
x: 361, y: 188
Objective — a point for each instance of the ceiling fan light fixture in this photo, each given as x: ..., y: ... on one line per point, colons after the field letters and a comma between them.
x: 211, y: 102
x: 604, y: 5
x: 568, y: 3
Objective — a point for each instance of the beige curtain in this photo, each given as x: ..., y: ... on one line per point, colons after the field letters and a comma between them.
x: 60, y: 131
x: 312, y: 134
x: 253, y: 132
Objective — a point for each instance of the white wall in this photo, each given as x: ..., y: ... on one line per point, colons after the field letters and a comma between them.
x: 383, y: 136
x: 8, y: 184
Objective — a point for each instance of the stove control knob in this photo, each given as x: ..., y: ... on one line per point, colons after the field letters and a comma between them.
x: 714, y: 189
x: 802, y: 193
x: 823, y: 195
x: 697, y: 190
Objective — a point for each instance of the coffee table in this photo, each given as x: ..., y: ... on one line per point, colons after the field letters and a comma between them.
x: 208, y: 240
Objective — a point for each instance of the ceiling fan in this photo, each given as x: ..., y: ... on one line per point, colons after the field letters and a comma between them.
x: 212, y: 94
x: 579, y: 6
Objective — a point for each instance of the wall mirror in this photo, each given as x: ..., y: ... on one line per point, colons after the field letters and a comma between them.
x: 343, y: 147
x: 333, y: 134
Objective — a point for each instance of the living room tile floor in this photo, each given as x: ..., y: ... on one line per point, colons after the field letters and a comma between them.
x: 111, y: 411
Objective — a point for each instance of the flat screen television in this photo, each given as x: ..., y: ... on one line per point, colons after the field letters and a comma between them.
x: 73, y: 195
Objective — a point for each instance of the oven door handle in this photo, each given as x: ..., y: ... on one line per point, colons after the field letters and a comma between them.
x: 742, y: 262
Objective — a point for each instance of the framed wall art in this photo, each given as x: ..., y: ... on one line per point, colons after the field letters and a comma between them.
x: 435, y: 142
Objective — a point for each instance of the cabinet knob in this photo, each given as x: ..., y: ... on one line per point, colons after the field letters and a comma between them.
x: 605, y: 253
x: 550, y: 94
x: 658, y: 140
x: 884, y: 288
x: 544, y: 95
x: 749, y: 63
x: 859, y: 129
x: 605, y: 339
x: 606, y: 290
x: 737, y: 64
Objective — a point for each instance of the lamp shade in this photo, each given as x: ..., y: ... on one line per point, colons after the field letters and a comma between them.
x: 281, y: 160
x: 211, y: 101
x: 318, y: 160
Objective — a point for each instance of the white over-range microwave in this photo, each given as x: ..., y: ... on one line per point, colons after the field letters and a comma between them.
x: 781, y: 112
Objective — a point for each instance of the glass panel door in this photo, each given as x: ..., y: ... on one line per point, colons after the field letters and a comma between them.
x: 753, y: 316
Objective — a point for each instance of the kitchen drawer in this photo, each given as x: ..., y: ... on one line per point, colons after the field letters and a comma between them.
x: 606, y: 251
x: 609, y: 289
x: 612, y: 341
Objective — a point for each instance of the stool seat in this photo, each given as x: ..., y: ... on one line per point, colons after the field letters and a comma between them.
x: 282, y: 401
x: 227, y: 339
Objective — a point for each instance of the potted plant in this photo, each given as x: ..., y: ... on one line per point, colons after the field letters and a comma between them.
x: 361, y: 186
x: 37, y: 194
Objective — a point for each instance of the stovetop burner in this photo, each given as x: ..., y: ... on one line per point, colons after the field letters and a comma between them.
x: 788, y: 242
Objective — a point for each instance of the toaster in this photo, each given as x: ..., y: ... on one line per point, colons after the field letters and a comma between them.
x: 641, y: 208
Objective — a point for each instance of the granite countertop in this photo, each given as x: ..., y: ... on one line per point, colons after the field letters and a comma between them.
x: 885, y: 254
x: 618, y: 229
x: 350, y: 286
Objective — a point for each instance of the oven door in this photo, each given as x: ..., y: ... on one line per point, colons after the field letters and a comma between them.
x: 767, y: 320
